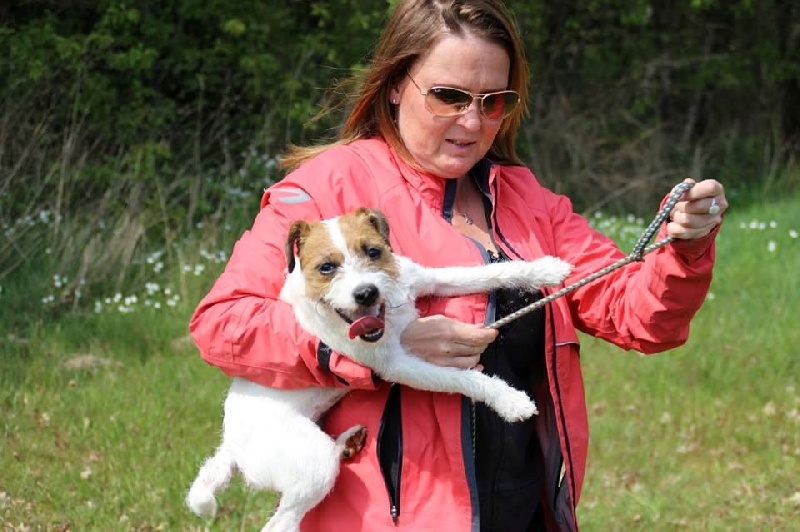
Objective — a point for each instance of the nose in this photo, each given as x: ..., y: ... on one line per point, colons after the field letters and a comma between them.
x: 366, y: 294
x: 471, y: 119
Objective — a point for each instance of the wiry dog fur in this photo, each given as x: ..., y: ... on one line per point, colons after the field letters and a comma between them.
x: 341, y: 271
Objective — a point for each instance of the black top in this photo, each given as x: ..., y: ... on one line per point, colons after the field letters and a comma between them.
x: 508, y: 458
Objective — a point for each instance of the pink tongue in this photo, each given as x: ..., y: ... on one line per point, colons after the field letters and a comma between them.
x: 365, y: 325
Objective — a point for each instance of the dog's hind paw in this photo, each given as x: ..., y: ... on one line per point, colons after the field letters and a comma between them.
x: 514, y: 405
x: 352, y: 441
x: 202, y: 502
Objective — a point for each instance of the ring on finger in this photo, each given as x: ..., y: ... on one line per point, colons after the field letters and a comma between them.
x: 714, y: 208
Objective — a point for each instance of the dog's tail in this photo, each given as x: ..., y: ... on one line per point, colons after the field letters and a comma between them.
x: 214, y: 475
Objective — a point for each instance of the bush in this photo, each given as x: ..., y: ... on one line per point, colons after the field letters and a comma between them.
x: 158, y: 116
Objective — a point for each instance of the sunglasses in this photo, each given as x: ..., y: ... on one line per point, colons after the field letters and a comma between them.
x: 449, y: 101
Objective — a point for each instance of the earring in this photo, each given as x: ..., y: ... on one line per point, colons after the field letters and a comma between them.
x: 394, y: 101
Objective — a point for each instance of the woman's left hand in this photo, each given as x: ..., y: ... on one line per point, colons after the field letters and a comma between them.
x: 699, y: 210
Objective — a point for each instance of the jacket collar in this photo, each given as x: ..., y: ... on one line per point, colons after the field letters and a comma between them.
x: 430, y: 187
x: 437, y: 192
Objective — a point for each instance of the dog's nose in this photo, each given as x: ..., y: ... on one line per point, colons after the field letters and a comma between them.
x: 366, y: 294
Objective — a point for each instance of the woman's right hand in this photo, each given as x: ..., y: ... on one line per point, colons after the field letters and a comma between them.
x: 447, y: 342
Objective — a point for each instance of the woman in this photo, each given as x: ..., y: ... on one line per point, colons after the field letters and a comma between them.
x: 430, y: 142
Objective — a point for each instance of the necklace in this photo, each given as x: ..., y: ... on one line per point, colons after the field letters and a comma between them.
x: 462, y: 198
x: 467, y: 219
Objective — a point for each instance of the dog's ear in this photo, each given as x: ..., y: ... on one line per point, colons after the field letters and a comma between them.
x: 378, y: 220
x: 298, y: 230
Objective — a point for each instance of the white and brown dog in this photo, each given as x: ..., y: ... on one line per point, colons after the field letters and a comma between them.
x: 348, y: 289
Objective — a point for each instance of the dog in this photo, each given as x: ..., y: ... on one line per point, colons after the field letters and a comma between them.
x: 350, y: 290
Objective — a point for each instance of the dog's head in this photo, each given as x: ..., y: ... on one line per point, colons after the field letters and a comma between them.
x: 345, y: 268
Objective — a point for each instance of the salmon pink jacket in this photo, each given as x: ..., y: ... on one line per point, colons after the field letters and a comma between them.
x: 417, y: 470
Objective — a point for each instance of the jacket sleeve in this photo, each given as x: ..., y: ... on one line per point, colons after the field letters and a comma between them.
x: 645, y: 306
x: 243, y: 327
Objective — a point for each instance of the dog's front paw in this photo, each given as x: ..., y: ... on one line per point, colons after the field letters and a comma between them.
x: 514, y: 405
x: 549, y: 271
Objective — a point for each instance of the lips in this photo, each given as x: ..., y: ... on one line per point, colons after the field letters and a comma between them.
x: 368, y: 328
x: 367, y: 324
x: 460, y: 143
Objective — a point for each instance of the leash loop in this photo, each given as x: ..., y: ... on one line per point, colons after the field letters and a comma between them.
x: 639, y: 251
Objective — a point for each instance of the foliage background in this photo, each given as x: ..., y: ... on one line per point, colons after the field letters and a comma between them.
x: 625, y: 95
x: 131, y: 130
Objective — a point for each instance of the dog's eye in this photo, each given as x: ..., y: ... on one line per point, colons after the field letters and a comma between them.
x: 326, y: 268
x: 373, y: 253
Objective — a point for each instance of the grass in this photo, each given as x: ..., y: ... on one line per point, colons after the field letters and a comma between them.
x: 104, y: 431
x: 707, y: 437
x: 106, y: 415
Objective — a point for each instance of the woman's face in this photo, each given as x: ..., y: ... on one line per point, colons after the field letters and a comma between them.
x: 450, y: 146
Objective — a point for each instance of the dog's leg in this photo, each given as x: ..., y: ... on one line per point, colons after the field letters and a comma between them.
x: 350, y: 442
x: 288, y: 515
x: 460, y: 280
x: 293, y: 456
x: 214, y: 475
x: 307, y: 491
x: 511, y: 404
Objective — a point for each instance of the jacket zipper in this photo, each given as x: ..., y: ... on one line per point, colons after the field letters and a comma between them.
x: 561, y: 420
x: 471, y: 419
x: 390, y: 450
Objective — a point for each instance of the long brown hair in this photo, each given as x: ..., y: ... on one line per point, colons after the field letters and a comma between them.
x: 413, y: 28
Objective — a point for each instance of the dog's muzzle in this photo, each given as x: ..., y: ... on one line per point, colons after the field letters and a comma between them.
x: 367, y: 324
x: 368, y: 328
x: 367, y: 321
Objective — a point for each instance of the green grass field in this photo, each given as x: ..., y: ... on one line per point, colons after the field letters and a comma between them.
x: 107, y: 415
x: 707, y: 437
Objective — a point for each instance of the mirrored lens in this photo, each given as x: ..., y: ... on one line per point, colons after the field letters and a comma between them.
x: 447, y: 101
x: 499, y: 104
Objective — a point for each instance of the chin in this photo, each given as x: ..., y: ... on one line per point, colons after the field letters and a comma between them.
x: 453, y: 171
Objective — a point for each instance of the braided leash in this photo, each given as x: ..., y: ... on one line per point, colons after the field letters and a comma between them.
x: 639, y: 251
